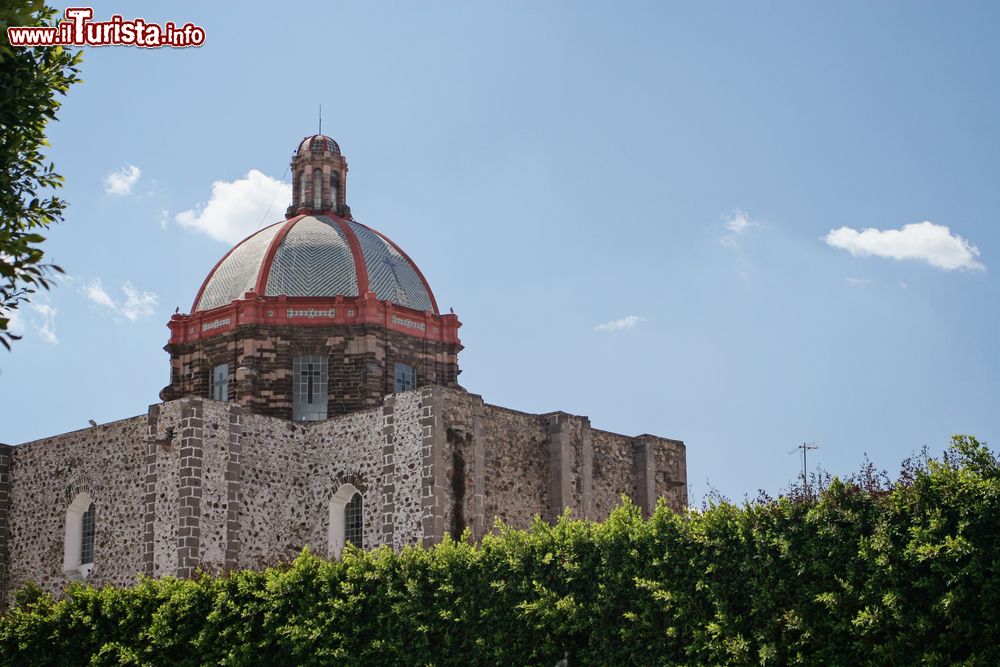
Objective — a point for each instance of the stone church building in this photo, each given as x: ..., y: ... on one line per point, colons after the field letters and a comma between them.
x: 313, y: 400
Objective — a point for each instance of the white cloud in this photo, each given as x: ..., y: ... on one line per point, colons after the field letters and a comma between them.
x: 119, y: 183
x: 47, y: 328
x: 136, y: 304
x: 164, y: 218
x: 626, y: 322
x: 922, y: 241
x: 15, y: 324
x: 39, y: 316
x: 737, y: 223
x: 236, y: 209
x: 94, y: 291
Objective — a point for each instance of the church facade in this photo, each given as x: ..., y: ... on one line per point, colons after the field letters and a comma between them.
x: 313, y: 401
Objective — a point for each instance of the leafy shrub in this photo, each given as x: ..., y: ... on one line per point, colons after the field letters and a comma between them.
x: 865, y: 573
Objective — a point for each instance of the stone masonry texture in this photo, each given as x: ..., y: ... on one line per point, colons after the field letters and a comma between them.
x: 360, y: 372
x: 203, y: 484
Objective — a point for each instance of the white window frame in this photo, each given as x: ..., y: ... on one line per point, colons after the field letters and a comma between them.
x: 337, y: 532
x: 302, y: 408
x: 73, y: 545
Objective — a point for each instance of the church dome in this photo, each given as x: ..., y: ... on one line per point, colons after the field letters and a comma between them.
x: 318, y: 143
x: 316, y: 256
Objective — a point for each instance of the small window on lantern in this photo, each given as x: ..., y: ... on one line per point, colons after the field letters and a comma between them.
x: 317, y: 189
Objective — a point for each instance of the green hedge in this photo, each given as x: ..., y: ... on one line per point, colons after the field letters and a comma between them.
x: 865, y: 574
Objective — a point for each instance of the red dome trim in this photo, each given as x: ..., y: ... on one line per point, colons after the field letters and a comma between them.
x: 412, y: 263
x: 265, y: 266
x: 211, y: 273
x: 360, y: 268
x: 276, y: 311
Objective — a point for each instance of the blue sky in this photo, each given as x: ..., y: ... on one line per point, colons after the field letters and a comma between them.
x: 696, y: 177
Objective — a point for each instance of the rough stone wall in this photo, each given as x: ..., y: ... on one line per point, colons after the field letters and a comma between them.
x: 407, y: 469
x: 516, y: 466
x: 291, y: 472
x: 502, y: 464
x: 614, y: 471
x: 273, y: 523
x: 6, y: 453
x: 167, y: 489
x: 661, y: 471
x: 198, y: 483
x: 361, y: 369
x: 671, y: 473
x: 108, y: 463
x: 339, y: 451
x: 458, y: 472
x: 214, y: 510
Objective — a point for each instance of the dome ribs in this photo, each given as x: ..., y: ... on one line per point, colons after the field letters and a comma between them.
x: 265, y: 267
x: 359, y: 259
x: 416, y: 268
x: 211, y: 274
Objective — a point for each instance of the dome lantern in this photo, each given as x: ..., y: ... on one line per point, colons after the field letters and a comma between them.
x: 319, y: 178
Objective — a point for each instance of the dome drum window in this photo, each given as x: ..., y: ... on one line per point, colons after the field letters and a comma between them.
x: 405, y: 377
x: 309, y: 383
x: 220, y: 382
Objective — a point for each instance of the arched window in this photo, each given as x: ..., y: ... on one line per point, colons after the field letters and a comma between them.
x: 334, y: 189
x: 78, y: 550
x: 317, y: 189
x: 346, y: 519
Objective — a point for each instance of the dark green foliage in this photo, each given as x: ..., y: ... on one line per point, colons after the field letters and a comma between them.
x: 30, y: 80
x: 865, y: 573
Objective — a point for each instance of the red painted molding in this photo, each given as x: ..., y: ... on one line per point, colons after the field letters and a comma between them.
x: 211, y: 273
x: 255, y: 308
x: 265, y: 266
x: 360, y: 268
x: 260, y: 310
x: 412, y: 263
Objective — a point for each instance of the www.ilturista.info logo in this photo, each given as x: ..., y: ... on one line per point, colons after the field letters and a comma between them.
x: 79, y: 30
